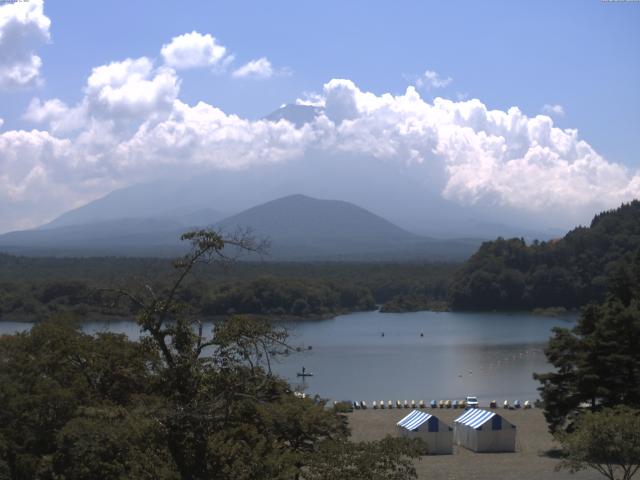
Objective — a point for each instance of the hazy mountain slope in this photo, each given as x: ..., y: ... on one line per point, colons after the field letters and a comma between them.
x: 114, y: 237
x: 299, y: 227
x: 296, y: 114
x: 300, y: 217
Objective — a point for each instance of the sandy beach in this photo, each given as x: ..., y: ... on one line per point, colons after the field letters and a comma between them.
x: 529, y: 462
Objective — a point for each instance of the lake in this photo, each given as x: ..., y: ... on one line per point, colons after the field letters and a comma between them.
x: 490, y: 355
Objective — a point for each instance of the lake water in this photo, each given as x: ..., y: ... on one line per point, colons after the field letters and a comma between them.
x: 491, y: 355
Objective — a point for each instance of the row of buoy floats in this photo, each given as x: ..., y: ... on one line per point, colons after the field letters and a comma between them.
x: 362, y: 405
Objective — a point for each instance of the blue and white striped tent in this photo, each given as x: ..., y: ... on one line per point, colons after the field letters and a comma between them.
x: 484, y: 431
x: 436, y: 434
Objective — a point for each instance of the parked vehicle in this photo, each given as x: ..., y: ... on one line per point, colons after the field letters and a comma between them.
x: 472, y: 402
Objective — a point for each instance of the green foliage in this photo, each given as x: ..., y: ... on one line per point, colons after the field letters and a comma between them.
x: 110, y: 443
x: 37, y: 288
x: 288, y: 297
x: 607, y: 441
x: 570, y: 272
x: 49, y: 373
x: 180, y: 404
x: 389, y: 459
x: 598, y: 362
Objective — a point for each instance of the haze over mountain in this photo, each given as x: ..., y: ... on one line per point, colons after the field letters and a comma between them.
x: 299, y: 228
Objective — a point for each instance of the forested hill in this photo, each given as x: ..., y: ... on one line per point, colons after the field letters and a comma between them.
x: 568, y: 272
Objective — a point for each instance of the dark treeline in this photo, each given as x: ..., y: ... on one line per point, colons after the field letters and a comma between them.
x: 36, y: 288
x: 569, y: 272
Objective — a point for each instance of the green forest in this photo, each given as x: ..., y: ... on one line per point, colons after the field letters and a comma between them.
x: 34, y: 288
x: 568, y: 272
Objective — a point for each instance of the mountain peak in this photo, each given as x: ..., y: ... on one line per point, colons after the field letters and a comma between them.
x: 294, y: 113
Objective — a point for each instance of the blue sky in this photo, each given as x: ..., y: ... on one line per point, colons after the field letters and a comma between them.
x: 581, y: 56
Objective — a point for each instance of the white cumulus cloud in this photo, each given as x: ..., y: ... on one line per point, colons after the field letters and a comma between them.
x: 193, y: 50
x: 131, y: 126
x: 23, y: 28
x: 259, y: 68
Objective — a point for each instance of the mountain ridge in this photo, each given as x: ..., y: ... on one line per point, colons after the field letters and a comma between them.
x: 300, y: 228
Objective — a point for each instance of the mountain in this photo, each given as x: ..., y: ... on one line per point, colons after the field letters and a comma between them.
x: 298, y: 218
x: 296, y: 114
x: 567, y: 272
x: 299, y: 228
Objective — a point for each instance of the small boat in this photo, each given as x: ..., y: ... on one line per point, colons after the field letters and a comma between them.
x: 493, y: 404
x: 421, y: 403
x: 413, y: 404
x: 374, y: 405
x: 381, y: 404
x: 398, y: 404
x: 516, y: 404
x: 433, y: 404
x: 505, y: 404
x: 455, y: 404
x: 363, y: 405
x: 390, y: 404
x: 527, y: 404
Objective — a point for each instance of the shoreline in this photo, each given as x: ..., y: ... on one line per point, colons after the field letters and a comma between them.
x: 533, y: 459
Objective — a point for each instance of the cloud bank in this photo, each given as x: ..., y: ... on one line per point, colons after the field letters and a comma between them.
x: 131, y: 126
x: 23, y: 28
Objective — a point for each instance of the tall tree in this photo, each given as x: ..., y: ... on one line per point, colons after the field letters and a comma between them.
x: 597, y: 363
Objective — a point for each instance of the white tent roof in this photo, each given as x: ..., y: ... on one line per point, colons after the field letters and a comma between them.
x: 475, y: 417
x: 414, y: 420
